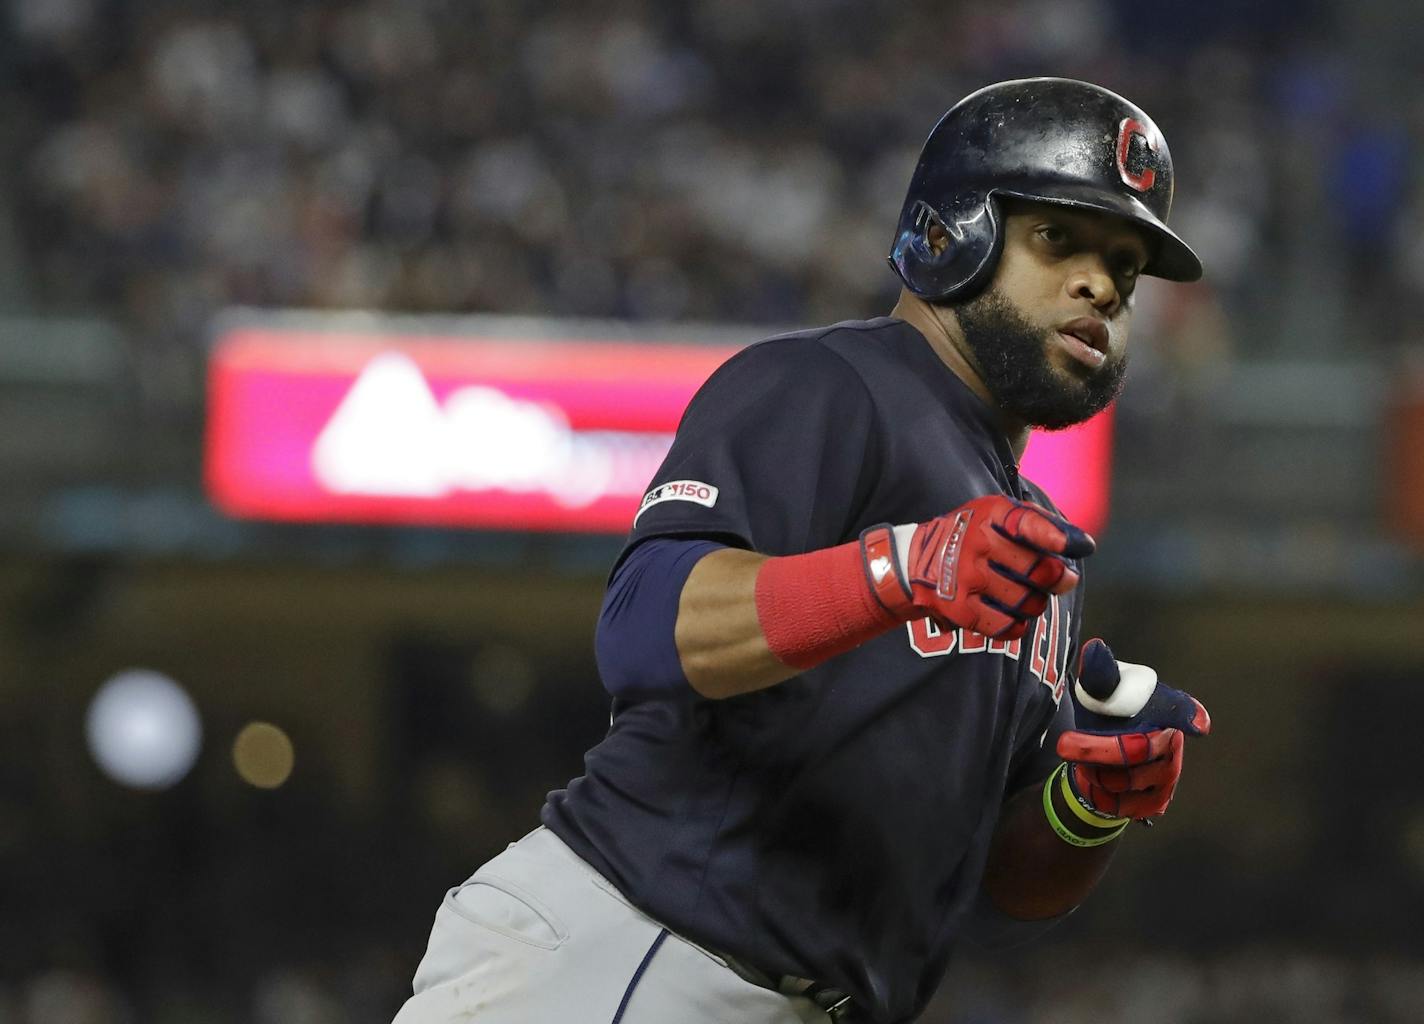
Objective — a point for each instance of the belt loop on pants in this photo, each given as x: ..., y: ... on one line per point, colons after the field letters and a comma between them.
x: 831, y: 1001
x: 836, y: 1004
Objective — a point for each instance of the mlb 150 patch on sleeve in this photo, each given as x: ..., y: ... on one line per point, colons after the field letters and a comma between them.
x: 679, y: 490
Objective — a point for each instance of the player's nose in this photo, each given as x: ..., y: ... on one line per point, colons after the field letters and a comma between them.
x: 1091, y: 280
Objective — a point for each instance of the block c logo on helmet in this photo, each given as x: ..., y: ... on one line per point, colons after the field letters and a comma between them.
x: 1130, y: 126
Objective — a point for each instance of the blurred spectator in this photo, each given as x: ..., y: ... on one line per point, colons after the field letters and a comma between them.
x: 727, y: 161
x: 72, y: 997
x: 293, y: 997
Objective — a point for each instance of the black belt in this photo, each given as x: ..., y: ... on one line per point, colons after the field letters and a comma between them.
x: 836, y: 1004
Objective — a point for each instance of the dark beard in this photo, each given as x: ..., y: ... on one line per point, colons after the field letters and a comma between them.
x: 1013, y: 359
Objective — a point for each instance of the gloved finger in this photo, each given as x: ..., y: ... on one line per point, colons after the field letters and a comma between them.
x: 1170, y: 708
x: 1077, y: 543
x: 1009, y: 559
x: 1156, y: 773
x: 1132, y: 698
x: 1152, y: 802
x: 1047, y: 573
x: 1097, y: 669
x: 1019, y: 600
x: 989, y: 621
x: 1114, y: 749
x: 1034, y: 526
x: 1085, y: 782
x: 1014, y: 601
x: 1026, y: 565
x: 1003, y: 627
x: 1054, y: 575
x: 1110, y: 780
x: 1139, y: 802
x: 1099, y: 799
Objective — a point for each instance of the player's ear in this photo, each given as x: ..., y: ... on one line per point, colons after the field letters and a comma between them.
x: 938, y: 238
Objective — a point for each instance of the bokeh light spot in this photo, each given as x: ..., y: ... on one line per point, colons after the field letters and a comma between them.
x: 263, y: 755
x: 143, y: 729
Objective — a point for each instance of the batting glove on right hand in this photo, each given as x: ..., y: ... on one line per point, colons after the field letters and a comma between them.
x: 988, y: 566
x: 1125, y: 756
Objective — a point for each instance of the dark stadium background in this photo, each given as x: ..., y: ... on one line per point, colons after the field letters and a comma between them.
x: 674, y: 164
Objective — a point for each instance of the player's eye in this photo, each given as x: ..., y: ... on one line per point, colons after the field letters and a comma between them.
x: 1127, y: 261
x: 1054, y: 234
x: 1128, y: 267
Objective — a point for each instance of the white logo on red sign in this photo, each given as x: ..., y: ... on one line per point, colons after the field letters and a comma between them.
x: 392, y: 437
x: 694, y: 491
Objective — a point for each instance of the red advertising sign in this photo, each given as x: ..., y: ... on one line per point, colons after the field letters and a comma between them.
x: 485, y: 432
x: 1075, y: 467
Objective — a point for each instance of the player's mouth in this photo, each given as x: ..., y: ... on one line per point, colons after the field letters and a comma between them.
x: 1086, y: 340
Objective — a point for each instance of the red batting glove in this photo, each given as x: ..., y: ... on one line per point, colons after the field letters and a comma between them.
x: 1125, y: 757
x: 988, y: 566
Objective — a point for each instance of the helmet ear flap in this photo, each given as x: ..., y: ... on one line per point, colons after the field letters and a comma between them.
x: 933, y: 274
x: 925, y: 217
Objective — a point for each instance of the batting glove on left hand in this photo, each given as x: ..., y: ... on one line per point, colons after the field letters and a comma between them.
x: 1125, y: 756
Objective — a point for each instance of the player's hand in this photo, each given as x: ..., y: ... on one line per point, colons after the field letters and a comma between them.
x: 988, y: 566
x: 1125, y: 756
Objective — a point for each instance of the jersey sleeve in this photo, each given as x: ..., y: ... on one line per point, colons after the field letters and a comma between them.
x: 635, y: 641
x: 775, y: 453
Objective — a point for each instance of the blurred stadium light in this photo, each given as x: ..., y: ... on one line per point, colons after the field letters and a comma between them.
x: 143, y: 729
x: 263, y: 755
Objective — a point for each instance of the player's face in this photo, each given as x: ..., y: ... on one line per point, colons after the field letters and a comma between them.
x: 1050, y: 333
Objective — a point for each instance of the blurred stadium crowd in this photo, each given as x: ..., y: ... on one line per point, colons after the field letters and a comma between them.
x: 709, y: 160
x: 704, y: 160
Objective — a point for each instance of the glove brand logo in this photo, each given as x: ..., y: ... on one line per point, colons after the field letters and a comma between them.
x: 949, y: 558
x: 694, y: 491
x: 1047, y: 651
x: 880, y: 568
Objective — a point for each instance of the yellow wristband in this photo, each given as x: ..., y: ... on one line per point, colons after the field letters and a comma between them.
x: 1076, y: 805
x: 1087, y: 833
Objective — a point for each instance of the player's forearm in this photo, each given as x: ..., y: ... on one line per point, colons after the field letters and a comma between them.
x: 746, y: 622
x: 1032, y: 874
x: 740, y: 621
x: 719, y: 635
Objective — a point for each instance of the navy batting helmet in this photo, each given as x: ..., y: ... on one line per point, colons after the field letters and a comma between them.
x: 1052, y: 140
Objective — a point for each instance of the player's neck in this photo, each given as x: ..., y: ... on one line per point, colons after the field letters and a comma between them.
x: 947, y: 341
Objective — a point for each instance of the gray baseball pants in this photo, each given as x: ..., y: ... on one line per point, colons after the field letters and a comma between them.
x: 537, y: 936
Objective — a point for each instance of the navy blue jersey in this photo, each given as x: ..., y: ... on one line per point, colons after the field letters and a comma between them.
x: 834, y: 826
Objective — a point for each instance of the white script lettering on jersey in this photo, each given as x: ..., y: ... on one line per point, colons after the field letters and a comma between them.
x: 679, y: 490
x: 1047, y: 649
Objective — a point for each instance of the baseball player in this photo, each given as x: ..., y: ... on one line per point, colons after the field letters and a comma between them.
x: 853, y: 725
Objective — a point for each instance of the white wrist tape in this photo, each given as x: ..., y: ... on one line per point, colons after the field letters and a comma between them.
x: 904, y: 533
x: 1132, y: 693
